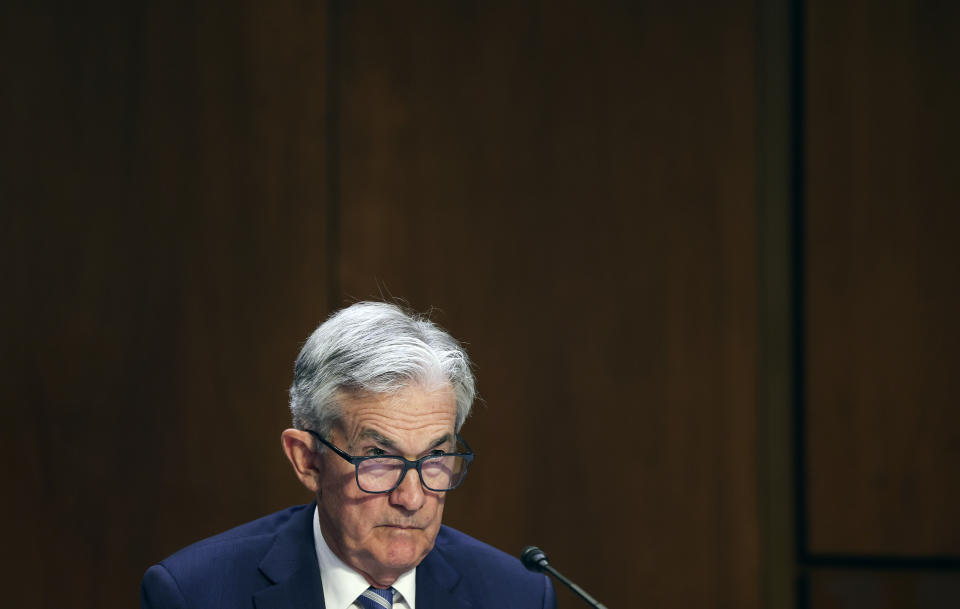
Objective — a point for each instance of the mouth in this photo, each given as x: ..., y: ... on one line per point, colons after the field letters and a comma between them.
x: 402, y: 527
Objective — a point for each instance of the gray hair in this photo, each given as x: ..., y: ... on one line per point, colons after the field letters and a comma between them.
x: 375, y: 348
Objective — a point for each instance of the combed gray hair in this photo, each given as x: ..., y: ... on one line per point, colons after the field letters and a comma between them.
x: 375, y: 348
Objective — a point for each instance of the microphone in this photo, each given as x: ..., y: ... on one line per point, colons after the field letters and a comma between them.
x: 534, y: 559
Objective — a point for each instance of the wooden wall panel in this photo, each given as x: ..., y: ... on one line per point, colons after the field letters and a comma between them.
x: 165, y: 200
x: 884, y: 589
x: 573, y: 187
x: 883, y: 437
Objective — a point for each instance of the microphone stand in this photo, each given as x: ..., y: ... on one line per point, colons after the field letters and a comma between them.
x: 534, y: 559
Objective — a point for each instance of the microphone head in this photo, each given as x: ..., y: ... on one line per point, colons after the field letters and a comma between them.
x: 534, y: 558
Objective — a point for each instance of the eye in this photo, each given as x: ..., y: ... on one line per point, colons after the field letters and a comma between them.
x: 437, y: 452
x: 375, y: 451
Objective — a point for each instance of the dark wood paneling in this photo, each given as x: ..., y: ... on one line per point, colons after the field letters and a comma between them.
x: 844, y: 589
x: 165, y: 198
x: 884, y: 431
x: 573, y: 187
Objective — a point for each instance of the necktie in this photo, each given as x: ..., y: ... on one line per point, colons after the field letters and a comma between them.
x: 374, y: 598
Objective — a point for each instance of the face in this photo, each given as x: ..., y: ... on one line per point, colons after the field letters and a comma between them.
x: 382, y: 536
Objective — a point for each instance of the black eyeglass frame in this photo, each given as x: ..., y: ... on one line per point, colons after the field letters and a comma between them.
x: 407, y: 464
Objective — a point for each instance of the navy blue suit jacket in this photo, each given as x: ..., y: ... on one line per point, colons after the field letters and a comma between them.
x: 271, y: 563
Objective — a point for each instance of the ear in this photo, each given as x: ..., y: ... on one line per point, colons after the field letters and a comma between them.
x: 298, y: 446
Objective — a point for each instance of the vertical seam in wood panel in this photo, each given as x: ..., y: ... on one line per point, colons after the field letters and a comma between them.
x: 779, y: 124
x: 798, y: 263
x: 798, y: 267
x: 333, y: 52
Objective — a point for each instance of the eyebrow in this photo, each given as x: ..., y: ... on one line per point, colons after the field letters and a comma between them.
x: 388, y: 443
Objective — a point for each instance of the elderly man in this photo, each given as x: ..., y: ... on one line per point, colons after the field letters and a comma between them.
x: 377, y: 399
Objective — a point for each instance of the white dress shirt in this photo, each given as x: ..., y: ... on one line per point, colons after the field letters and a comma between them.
x: 342, y: 585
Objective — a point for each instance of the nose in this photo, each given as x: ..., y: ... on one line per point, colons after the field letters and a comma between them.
x: 409, y: 495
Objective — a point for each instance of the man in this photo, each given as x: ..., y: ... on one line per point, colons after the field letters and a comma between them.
x: 378, y: 399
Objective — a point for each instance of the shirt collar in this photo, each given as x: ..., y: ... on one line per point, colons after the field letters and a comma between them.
x: 342, y: 585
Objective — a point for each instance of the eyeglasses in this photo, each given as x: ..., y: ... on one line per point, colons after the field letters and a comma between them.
x: 382, y: 474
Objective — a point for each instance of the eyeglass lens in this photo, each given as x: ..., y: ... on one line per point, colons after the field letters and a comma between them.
x: 440, y: 473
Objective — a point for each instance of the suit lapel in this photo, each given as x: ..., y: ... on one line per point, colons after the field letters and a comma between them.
x: 291, y: 564
x: 437, y: 584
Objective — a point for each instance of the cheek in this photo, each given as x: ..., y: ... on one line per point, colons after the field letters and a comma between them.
x: 438, y: 507
x: 355, y: 511
x: 363, y: 514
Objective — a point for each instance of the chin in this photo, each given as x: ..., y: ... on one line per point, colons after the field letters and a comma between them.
x: 405, y: 554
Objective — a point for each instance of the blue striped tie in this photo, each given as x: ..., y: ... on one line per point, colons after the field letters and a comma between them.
x: 375, y: 598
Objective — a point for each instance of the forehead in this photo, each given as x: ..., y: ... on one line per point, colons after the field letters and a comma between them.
x: 403, y: 416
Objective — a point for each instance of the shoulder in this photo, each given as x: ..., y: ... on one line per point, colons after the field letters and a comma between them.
x: 461, y: 546
x: 487, y: 570
x: 228, y: 561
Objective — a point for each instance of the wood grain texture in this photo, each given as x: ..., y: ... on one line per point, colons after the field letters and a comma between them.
x: 882, y: 256
x: 572, y: 186
x: 164, y: 175
x: 855, y: 589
